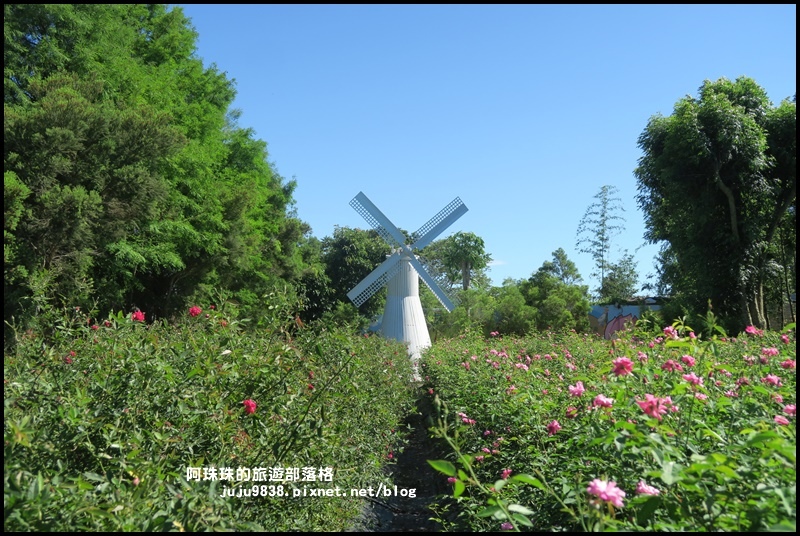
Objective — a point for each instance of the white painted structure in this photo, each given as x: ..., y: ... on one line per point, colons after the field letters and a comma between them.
x: 403, y: 319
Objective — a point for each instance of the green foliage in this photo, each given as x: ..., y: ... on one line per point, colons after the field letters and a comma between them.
x: 348, y: 256
x: 139, y: 187
x: 716, y: 183
x: 460, y: 257
x: 475, y: 312
x: 555, y: 295
x: 14, y: 194
x: 512, y: 314
x: 103, y: 421
x: 620, y: 283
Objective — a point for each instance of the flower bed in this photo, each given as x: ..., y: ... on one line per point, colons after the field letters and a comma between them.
x: 568, y: 432
x: 127, y: 426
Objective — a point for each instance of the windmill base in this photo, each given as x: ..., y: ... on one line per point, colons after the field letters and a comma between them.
x: 403, y: 319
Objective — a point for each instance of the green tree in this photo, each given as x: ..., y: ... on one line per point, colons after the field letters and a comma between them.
x: 461, y: 257
x: 143, y: 189
x: 717, y: 182
x: 349, y: 256
x: 474, y: 311
x: 92, y: 169
x: 511, y: 314
x: 554, y: 293
x: 621, y: 282
x: 599, y: 225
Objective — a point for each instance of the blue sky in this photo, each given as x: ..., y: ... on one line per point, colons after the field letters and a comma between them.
x: 522, y: 111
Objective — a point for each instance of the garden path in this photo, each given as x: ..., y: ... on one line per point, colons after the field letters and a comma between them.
x: 412, y: 471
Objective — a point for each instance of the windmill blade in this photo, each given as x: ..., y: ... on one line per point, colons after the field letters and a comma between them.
x: 454, y: 210
x: 423, y: 274
x: 376, y: 279
x: 377, y: 220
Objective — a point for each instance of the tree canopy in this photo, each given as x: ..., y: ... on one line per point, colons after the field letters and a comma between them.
x: 718, y: 184
x: 461, y: 257
x: 558, y: 299
x: 127, y: 179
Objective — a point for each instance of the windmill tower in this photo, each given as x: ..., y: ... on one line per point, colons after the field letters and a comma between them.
x: 403, y: 318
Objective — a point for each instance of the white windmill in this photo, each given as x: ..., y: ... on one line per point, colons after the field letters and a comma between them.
x: 403, y: 319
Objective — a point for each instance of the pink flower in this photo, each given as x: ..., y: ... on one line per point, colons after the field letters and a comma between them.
x: 671, y: 332
x: 769, y: 352
x: 506, y: 526
x: 780, y: 419
x: 655, y: 407
x: 789, y: 363
x: 700, y: 396
x: 577, y: 389
x: 95, y: 327
x: 771, y: 379
x: 752, y: 330
x: 693, y: 379
x: 606, y: 491
x: 137, y: 316
x: 572, y: 412
x: 671, y: 366
x: 451, y: 479
x: 642, y: 356
x: 622, y: 366
x: 505, y: 474
x: 249, y: 406
x: 643, y: 489
x: 465, y: 419
x: 553, y: 427
x: 790, y: 409
x: 688, y: 360
x: 785, y: 339
x: 603, y: 401
x: 195, y: 311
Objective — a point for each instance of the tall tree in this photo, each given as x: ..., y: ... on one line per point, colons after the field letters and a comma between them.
x: 717, y: 181
x: 601, y: 222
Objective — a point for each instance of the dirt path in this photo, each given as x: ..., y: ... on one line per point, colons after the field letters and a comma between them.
x: 412, y: 471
